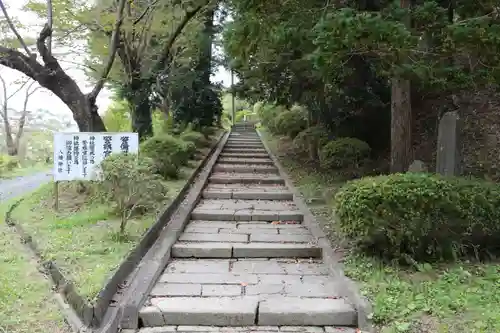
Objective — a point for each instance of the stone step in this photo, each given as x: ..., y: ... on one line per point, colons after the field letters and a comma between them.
x: 225, y: 239
x: 247, y: 311
x: 246, y: 215
x: 255, y: 194
x: 244, y: 155
x: 247, y: 191
x: 233, y: 160
x: 242, y: 292
x: 245, y: 168
x: 237, y: 204
x: 242, y: 178
x: 233, y: 145
x: 244, y: 138
x: 203, y: 250
x: 244, y: 150
x: 253, y: 329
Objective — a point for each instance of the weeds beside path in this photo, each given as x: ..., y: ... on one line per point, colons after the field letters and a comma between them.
x: 26, y: 303
x: 462, y: 297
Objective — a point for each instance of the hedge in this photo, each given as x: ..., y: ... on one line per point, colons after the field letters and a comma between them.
x: 418, y: 216
x: 169, y: 153
x: 291, y: 122
x: 318, y: 135
x: 344, y: 153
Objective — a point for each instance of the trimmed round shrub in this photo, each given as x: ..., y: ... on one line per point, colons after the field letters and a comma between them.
x: 344, y: 153
x: 418, y: 216
x: 317, y: 134
x: 208, y: 131
x: 291, y: 122
x: 268, y: 114
x: 195, y: 137
x: 168, y: 153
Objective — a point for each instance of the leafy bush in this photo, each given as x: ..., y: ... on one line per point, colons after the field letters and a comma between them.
x: 291, y: 122
x: 417, y: 216
x: 344, y: 153
x: 168, y: 153
x: 315, y: 135
x: 268, y: 113
x: 208, y: 131
x: 8, y: 163
x: 130, y: 184
x: 195, y: 137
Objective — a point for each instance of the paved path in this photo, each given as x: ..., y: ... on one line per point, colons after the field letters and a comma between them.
x: 11, y: 188
x: 245, y: 262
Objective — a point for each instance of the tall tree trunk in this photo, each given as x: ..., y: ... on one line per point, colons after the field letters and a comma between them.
x: 401, y: 147
x: 12, y: 148
x: 205, y: 62
x: 401, y: 116
x: 138, y: 97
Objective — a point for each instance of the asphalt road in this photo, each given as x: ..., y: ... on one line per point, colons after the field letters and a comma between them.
x: 11, y: 188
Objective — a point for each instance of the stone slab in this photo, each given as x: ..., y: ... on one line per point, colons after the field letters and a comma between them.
x: 210, y: 278
x: 229, y: 160
x: 285, y: 238
x: 292, y: 311
x: 285, y: 195
x: 202, y: 250
x: 275, y: 250
x: 198, y: 266
x: 245, y: 168
x: 222, y: 290
x: 245, y: 150
x: 199, y: 237
x: 176, y: 289
x: 151, y: 316
x: 217, y: 311
x: 244, y: 155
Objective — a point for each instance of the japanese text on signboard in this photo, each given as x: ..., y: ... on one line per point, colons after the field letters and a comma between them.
x: 78, y: 155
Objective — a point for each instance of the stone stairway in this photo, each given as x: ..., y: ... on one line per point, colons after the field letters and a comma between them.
x: 245, y: 262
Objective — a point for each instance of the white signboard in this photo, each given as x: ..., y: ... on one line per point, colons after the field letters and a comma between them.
x: 78, y: 155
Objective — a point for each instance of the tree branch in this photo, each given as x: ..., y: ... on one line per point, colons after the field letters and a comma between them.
x: 47, y: 57
x: 24, y: 114
x: 115, y: 39
x: 148, y: 8
x: 49, y: 23
x: 13, y: 28
x: 3, y: 105
x: 20, y: 62
x: 160, y: 65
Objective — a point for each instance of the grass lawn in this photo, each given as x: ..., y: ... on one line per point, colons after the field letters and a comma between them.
x: 461, y: 297
x: 26, y: 303
x: 82, y: 236
x: 23, y: 171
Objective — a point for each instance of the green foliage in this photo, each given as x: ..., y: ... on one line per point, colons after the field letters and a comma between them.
x: 195, y: 137
x: 196, y: 104
x: 208, y: 131
x: 344, y: 153
x: 117, y: 117
x: 315, y: 136
x: 420, y: 216
x: 268, y: 114
x: 168, y: 153
x: 291, y: 122
x: 7, y: 163
x: 131, y: 185
x: 240, y: 115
